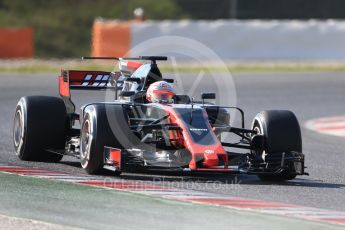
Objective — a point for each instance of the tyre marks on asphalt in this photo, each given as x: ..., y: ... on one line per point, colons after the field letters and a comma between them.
x: 329, y: 125
x: 192, y: 196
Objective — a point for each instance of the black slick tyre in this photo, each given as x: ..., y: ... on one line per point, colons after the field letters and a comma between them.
x: 39, y: 125
x: 103, y: 125
x: 282, y: 133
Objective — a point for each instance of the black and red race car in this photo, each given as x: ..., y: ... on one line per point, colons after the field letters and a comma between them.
x: 130, y: 134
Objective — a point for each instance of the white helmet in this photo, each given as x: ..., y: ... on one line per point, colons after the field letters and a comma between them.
x: 160, y: 92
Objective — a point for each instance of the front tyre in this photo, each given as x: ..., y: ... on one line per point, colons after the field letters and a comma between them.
x: 96, y: 133
x: 282, y: 134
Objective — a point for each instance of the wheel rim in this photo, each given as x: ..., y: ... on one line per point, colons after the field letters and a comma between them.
x: 86, y: 139
x: 262, y: 154
x: 18, y: 129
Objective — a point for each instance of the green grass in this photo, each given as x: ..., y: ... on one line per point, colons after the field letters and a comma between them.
x: 50, y: 69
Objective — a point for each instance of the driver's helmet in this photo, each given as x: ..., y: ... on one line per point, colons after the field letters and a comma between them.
x: 160, y: 92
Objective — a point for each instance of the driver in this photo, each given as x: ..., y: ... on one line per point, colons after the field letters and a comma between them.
x: 160, y: 92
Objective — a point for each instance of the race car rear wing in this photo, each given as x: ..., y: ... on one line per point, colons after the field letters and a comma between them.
x: 86, y: 80
x: 101, y: 80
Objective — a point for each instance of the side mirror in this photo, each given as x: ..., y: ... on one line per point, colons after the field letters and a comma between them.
x: 208, y: 96
x: 127, y: 93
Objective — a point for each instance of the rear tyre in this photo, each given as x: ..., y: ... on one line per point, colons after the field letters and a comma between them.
x: 282, y: 133
x: 97, y: 128
x: 39, y: 124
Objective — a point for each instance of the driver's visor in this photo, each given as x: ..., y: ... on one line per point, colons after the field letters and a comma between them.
x: 162, y: 96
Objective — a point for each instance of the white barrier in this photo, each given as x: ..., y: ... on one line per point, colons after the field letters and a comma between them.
x: 253, y: 39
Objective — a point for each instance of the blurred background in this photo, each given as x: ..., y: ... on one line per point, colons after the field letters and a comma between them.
x: 63, y: 28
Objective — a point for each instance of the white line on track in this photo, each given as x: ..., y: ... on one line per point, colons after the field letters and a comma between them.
x: 14, y: 223
x: 329, y: 125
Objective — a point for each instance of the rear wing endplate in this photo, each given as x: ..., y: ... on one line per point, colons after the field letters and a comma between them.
x: 86, y: 80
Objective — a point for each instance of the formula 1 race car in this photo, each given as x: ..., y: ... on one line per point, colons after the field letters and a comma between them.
x: 130, y: 134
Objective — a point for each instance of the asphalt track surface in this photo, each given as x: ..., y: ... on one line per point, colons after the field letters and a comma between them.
x: 309, y: 95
